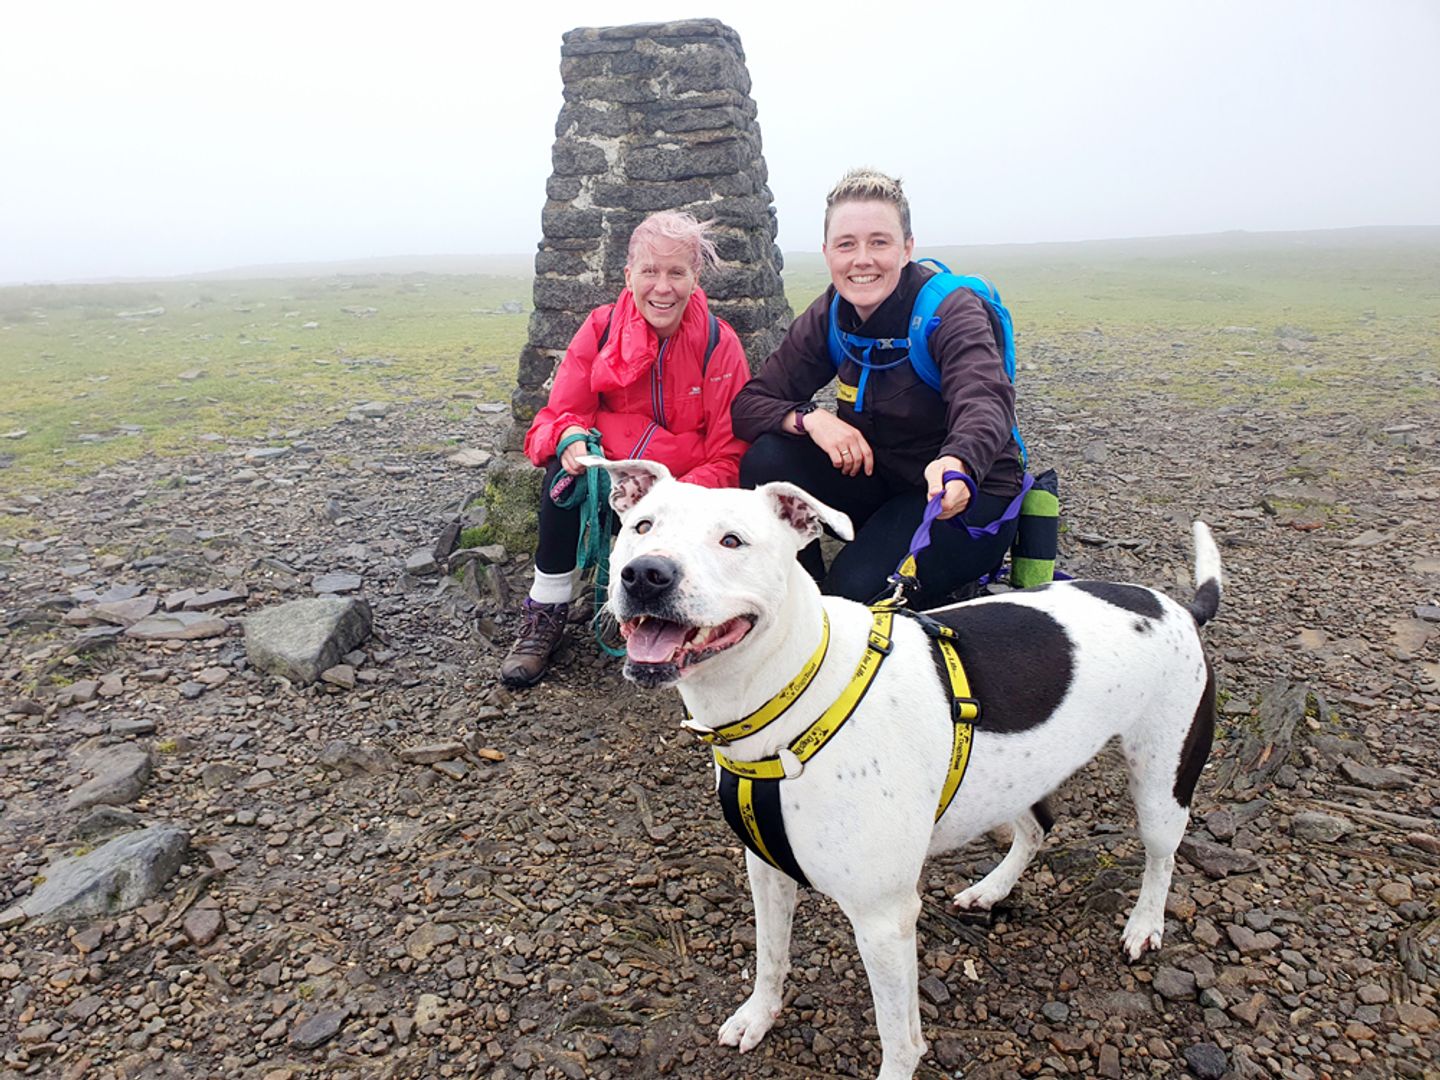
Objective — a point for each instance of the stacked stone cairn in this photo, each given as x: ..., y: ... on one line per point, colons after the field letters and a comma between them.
x: 656, y: 117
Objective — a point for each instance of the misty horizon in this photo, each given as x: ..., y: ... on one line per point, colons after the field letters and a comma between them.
x: 160, y: 141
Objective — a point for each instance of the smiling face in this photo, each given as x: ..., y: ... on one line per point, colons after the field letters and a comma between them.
x: 662, y: 278
x: 865, y: 249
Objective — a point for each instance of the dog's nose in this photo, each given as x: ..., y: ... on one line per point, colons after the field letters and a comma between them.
x: 649, y: 576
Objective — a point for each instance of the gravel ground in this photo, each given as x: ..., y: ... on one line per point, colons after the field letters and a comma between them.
x: 410, y: 872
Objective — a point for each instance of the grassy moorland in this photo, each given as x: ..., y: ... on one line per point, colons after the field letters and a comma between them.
x: 100, y: 373
x: 1324, y: 320
x: 1330, y: 321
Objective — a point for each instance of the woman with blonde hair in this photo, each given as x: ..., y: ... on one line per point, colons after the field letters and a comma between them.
x: 654, y: 374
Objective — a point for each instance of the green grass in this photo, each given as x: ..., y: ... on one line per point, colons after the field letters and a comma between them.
x: 71, y: 367
x: 1146, y: 313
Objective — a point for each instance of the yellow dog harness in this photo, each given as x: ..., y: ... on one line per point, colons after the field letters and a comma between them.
x: 750, y: 790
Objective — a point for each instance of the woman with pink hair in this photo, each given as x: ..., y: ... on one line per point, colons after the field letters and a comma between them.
x: 654, y: 374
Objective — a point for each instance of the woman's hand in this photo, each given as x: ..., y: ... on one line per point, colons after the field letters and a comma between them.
x: 570, y: 459
x: 957, y: 494
x: 849, y: 452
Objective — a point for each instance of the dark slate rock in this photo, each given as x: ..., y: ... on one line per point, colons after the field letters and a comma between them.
x: 113, y: 878
x: 302, y: 638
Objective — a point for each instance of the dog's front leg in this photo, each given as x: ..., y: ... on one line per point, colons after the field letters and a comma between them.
x: 885, y: 933
x: 774, y: 896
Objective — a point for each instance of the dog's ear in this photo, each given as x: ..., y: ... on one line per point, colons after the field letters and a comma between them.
x: 804, y: 513
x: 630, y: 481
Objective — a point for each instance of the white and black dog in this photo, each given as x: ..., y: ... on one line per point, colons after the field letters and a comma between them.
x: 710, y: 597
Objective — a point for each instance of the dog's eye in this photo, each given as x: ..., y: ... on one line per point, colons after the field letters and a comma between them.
x: 730, y: 540
x: 643, y: 525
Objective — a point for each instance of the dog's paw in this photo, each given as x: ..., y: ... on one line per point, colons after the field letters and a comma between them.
x: 982, y: 896
x: 1139, y: 939
x: 748, y: 1026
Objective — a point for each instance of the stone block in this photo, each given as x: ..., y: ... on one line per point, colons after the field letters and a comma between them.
x: 567, y: 294
x: 559, y: 219
x: 576, y: 157
x: 554, y: 329
x: 681, y: 163
x: 562, y: 188
x: 536, y: 366
x: 650, y: 197
x: 583, y: 119
x: 566, y: 263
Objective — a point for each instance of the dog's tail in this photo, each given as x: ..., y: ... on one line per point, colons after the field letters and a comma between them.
x: 1206, y: 601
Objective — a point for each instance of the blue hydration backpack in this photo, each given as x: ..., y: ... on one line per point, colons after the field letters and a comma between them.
x: 923, y: 321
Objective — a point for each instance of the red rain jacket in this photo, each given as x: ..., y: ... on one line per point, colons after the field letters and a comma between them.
x: 649, y: 398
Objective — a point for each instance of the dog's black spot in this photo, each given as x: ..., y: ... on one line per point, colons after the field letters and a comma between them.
x: 1197, y: 742
x: 1206, y: 602
x: 1019, y: 661
x: 875, y: 764
x: 1142, y: 626
x: 1131, y: 598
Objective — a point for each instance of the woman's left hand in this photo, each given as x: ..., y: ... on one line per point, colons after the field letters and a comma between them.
x: 957, y: 495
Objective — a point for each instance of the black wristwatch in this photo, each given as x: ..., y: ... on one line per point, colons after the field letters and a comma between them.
x: 802, y: 411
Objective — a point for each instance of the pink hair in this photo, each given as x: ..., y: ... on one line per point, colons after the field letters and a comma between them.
x: 673, y: 228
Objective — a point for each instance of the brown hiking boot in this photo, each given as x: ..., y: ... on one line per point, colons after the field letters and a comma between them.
x: 541, y: 628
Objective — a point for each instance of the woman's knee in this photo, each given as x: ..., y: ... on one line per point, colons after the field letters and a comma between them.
x: 770, y: 457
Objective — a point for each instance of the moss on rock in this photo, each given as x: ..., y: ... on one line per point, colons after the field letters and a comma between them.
x: 512, y: 499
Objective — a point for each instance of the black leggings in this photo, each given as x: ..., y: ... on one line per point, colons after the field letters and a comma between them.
x: 559, y: 530
x: 885, y: 517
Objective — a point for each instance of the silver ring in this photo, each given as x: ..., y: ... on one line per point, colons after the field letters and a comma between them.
x: 844, y: 453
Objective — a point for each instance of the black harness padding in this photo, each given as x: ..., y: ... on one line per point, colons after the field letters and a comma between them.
x: 768, y: 820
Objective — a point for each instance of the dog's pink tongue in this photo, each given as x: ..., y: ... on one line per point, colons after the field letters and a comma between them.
x: 655, y: 641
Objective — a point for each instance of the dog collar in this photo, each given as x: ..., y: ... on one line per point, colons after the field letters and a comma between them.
x: 773, y: 709
x: 790, y: 762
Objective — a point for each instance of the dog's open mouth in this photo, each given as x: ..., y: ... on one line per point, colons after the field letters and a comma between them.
x: 649, y: 640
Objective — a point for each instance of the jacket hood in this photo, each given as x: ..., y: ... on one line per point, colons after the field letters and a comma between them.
x: 631, y: 346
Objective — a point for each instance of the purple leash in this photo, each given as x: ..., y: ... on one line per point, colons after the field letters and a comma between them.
x: 905, y: 574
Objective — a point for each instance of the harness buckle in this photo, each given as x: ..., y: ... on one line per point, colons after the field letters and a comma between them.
x: 703, y: 733
x: 792, y: 765
x: 957, y: 710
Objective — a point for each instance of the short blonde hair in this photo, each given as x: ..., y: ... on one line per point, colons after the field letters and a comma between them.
x: 869, y: 185
x: 678, y: 228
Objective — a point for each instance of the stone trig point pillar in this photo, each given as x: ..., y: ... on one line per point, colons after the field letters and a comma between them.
x: 656, y: 117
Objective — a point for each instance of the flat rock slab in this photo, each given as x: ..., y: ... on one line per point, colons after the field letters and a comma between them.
x: 1217, y: 860
x: 303, y: 638
x: 178, y: 626
x: 213, y: 598
x: 348, y: 759
x: 430, y: 753
x: 337, y: 581
x: 126, y: 612
x: 1375, y: 779
x: 318, y: 1029
x: 120, y: 774
x: 115, y: 877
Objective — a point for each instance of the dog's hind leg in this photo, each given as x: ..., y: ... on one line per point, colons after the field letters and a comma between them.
x: 885, y: 933
x: 1162, y: 821
x: 1028, y: 832
x: 774, y: 896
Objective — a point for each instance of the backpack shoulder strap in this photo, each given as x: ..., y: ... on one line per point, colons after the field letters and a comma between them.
x: 832, y: 333
x: 710, y: 345
x: 605, y: 334
x: 923, y: 321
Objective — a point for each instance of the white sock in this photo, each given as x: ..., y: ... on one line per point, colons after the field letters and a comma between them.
x: 552, y: 588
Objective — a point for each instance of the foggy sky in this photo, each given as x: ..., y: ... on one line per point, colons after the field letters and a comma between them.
x: 155, y: 138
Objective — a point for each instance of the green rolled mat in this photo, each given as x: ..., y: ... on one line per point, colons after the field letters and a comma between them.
x: 1037, y: 540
